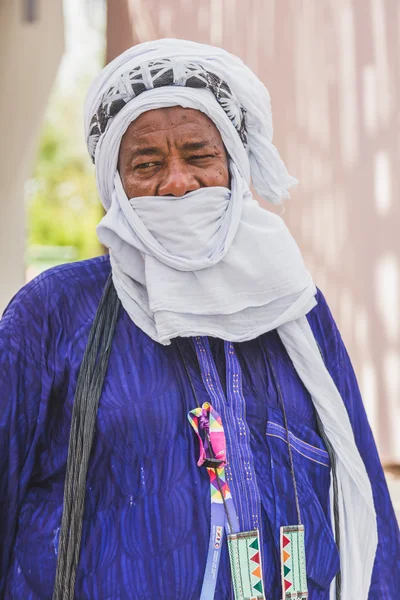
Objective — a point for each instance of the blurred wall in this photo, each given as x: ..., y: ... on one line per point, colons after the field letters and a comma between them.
x: 30, y: 52
x: 332, y: 69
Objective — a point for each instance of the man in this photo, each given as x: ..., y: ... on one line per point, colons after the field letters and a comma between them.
x: 205, y: 394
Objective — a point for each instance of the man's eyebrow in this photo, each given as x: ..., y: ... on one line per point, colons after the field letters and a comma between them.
x: 146, y: 151
x: 152, y: 150
x: 192, y: 146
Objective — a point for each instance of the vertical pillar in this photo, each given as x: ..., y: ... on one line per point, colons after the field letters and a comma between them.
x: 119, y: 28
x: 30, y: 53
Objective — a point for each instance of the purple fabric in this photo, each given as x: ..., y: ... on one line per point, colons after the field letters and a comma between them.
x: 147, y: 510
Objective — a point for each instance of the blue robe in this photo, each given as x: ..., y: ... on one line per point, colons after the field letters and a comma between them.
x: 147, y: 509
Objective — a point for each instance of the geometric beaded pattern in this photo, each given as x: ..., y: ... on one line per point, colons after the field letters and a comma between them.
x: 219, y: 486
x: 246, y: 568
x: 293, y: 562
x: 161, y: 73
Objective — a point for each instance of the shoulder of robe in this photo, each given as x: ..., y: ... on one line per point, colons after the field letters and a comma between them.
x: 325, y: 329
x: 321, y: 312
x: 62, y: 291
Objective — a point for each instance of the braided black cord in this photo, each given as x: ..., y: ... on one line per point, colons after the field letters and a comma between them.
x: 84, y: 413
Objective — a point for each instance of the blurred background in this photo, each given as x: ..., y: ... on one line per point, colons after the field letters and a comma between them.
x: 332, y: 69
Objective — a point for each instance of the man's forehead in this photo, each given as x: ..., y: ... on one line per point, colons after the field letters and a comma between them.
x: 150, y: 129
x: 171, y: 118
x: 157, y: 128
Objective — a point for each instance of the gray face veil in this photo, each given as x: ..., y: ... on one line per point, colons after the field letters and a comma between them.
x: 248, y: 276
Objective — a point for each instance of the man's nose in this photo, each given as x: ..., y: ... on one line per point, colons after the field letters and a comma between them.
x: 177, y: 180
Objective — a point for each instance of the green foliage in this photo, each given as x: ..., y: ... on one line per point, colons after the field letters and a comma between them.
x: 62, y: 201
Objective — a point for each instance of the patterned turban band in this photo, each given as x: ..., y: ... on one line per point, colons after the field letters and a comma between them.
x: 160, y: 73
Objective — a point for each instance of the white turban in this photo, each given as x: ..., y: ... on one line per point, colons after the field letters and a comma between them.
x: 268, y: 173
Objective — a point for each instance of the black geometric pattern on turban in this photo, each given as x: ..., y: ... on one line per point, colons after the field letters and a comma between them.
x: 161, y: 73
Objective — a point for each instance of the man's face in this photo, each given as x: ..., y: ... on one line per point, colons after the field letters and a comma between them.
x: 170, y: 152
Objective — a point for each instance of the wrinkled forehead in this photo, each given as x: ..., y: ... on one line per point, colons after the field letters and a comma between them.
x: 175, y: 124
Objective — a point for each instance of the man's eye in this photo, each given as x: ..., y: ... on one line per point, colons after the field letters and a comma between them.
x: 147, y: 165
x: 200, y: 156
